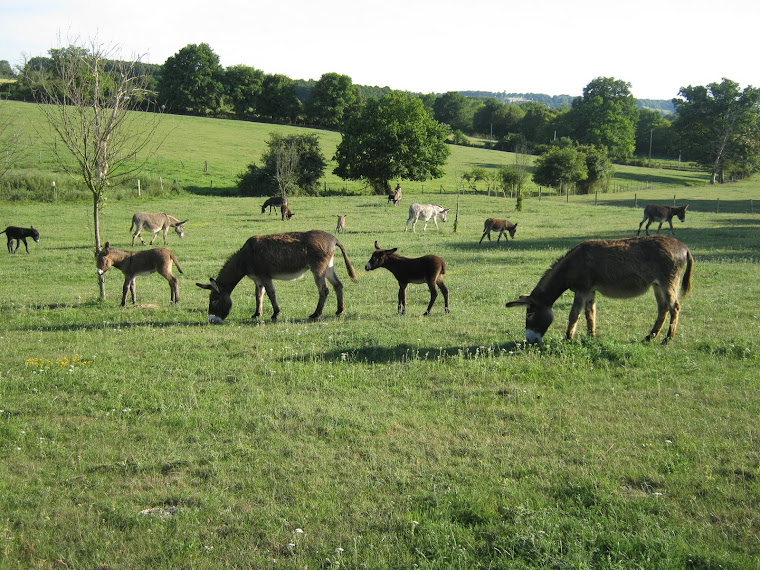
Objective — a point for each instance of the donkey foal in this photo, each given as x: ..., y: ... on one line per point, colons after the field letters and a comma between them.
x: 134, y: 263
x: 427, y: 269
x: 19, y: 235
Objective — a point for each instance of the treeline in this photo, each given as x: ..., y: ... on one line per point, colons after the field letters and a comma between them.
x: 193, y: 82
x: 715, y: 126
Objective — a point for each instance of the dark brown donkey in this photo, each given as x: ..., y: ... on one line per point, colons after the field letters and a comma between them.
x: 618, y: 268
x: 426, y: 269
x: 662, y: 214
x: 501, y: 226
x: 134, y: 263
x: 278, y: 256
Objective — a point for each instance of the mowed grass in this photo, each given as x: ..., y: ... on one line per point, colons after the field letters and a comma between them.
x: 145, y: 437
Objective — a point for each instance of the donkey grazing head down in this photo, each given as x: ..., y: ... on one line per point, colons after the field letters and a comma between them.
x: 272, y: 257
x: 619, y: 268
x: 155, y: 222
x: 425, y: 211
x: 426, y: 269
x: 17, y: 234
x: 501, y: 226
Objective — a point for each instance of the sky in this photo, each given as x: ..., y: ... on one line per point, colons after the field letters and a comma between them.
x: 555, y: 47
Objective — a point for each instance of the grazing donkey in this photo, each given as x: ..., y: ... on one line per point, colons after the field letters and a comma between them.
x: 18, y: 235
x: 426, y: 269
x: 273, y: 203
x: 502, y: 226
x: 425, y: 211
x: 134, y: 263
x: 286, y: 212
x: 155, y: 222
x: 619, y: 268
x: 662, y: 214
x: 341, y: 227
x: 285, y: 257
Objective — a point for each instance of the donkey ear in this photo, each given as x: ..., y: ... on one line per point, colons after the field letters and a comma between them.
x: 215, y: 285
x: 521, y: 302
x: 393, y: 250
x: 686, y: 207
x: 107, y: 246
x: 204, y: 286
x: 183, y: 223
x: 377, y: 246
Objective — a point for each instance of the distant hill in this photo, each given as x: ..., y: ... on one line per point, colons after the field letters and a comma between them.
x: 558, y: 101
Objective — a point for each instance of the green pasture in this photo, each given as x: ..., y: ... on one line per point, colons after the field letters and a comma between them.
x: 205, y: 156
x: 143, y: 437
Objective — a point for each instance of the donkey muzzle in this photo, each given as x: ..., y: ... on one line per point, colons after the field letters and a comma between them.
x: 214, y: 320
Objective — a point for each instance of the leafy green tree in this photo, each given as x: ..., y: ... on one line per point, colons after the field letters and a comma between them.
x: 496, y: 118
x: 453, y: 109
x: 560, y: 167
x: 333, y: 97
x: 719, y: 127
x: 292, y: 164
x: 392, y: 138
x: 242, y: 88
x: 606, y: 116
x: 535, y: 124
x: 6, y: 70
x: 191, y: 82
x: 654, y: 135
x: 599, y: 169
x: 278, y: 101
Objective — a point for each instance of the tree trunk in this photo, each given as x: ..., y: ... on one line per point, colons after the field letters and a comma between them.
x: 96, y: 224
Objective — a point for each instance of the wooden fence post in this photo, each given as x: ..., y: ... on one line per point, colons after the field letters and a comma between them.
x: 139, y: 192
x: 717, y: 206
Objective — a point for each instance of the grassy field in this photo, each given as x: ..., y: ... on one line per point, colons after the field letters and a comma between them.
x: 144, y: 437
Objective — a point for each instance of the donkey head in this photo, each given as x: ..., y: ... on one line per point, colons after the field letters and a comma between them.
x: 512, y: 231
x: 538, y: 317
x: 219, y: 303
x: 179, y: 227
x: 103, y: 261
x: 443, y: 214
x: 35, y: 235
x: 681, y: 212
x: 378, y: 257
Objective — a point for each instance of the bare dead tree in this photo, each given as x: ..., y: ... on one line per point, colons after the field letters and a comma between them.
x: 90, y: 99
x: 286, y: 160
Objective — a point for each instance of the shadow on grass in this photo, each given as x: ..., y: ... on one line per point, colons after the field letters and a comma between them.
x: 407, y: 352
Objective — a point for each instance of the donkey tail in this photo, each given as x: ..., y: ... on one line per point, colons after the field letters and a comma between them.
x: 351, y: 272
x: 176, y: 262
x: 686, y: 281
x: 2, y: 232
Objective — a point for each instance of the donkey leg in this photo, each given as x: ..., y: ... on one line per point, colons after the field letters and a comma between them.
x: 591, y: 315
x: 26, y: 245
x: 445, y: 291
x: 323, y: 292
x: 640, y: 224
x: 433, y: 296
x: 269, y: 287
x: 674, y: 310
x: 174, y: 287
x: 402, y: 298
x: 578, y: 303
x: 338, y: 286
x: 484, y: 235
x: 672, y: 229
x: 259, y: 301
x: 663, y: 306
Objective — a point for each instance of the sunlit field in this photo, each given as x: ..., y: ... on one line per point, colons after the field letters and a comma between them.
x: 145, y: 437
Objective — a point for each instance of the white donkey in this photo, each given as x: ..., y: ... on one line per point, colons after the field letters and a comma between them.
x: 425, y: 211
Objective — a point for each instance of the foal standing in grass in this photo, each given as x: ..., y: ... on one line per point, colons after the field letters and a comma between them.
x: 134, y: 263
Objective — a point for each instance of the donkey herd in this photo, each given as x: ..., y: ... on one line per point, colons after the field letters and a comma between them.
x: 620, y: 268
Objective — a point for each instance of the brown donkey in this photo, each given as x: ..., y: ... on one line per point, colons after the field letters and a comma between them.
x: 285, y: 257
x: 426, y: 269
x: 134, y: 263
x: 662, y: 214
x: 619, y: 268
x: 501, y: 226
